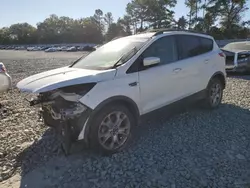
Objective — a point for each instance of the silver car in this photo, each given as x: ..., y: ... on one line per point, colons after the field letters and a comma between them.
x: 5, y: 79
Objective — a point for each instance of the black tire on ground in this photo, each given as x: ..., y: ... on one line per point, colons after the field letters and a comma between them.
x: 208, y: 101
x: 96, y: 128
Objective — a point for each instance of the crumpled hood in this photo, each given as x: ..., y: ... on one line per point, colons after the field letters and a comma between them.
x: 62, y: 77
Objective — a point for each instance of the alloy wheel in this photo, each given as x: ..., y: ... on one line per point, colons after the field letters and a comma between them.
x: 114, y: 130
x: 215, y: 94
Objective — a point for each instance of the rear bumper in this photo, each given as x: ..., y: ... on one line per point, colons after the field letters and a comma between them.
x: 238, y: 62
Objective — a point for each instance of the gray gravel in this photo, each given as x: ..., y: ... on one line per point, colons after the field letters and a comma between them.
x: 196, y: 148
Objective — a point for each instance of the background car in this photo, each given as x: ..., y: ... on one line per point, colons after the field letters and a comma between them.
x: 30, y: 48
x: 63, y: 48
x: 72, y: 49
x: 237, y: 56
x: 5, y: 79
x: 88, y: 48
x: 52, y: 49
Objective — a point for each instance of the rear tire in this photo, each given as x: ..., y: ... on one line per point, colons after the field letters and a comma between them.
x: 111, y: 129
x: 214, y: 93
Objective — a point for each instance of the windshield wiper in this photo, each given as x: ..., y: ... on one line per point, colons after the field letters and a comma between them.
x: 125, y: 57
x: 83, y: 56
x: 77, y: 61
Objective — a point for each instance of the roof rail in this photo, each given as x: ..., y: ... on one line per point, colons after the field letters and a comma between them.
x: 161, y: 31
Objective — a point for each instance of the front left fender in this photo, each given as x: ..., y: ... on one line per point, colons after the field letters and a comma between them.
x: 112, y: 88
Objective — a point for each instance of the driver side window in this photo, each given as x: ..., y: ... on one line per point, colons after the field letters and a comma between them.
x: 164, y: 48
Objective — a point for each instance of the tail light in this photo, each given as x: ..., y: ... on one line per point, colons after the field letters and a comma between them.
x: 222, y: 54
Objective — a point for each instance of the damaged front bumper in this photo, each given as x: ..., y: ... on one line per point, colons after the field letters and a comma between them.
x: 63, y: 112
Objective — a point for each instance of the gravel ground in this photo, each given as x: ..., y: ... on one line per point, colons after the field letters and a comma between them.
x: 195, y: 148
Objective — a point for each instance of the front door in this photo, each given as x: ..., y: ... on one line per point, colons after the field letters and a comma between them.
x: 159, y: 85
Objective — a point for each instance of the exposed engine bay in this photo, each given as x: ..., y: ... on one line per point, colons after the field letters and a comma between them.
x: 61, y: 105
x: 61, y: 109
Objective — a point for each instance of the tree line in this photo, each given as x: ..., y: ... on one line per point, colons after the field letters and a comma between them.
x: 220, y: 18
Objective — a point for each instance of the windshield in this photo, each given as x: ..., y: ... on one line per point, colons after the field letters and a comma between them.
x: 109, y: 54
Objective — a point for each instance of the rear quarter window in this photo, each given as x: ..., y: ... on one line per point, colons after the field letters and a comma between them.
x: 206, y: 45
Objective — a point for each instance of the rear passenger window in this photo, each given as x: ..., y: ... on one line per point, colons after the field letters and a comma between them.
x: 190, y: 46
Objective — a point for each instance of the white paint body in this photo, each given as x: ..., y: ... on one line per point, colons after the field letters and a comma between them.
x: 5, y: 80
x: 62, y: 77
x: 157, y: 86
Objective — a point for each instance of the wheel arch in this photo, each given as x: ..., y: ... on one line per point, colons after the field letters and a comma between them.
x: 128, y: 102
x: 220, y: 75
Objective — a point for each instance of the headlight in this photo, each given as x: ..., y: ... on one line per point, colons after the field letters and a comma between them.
x: 80, y: 89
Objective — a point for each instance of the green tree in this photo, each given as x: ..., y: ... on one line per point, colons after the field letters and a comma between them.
x: 205, y: 24
x: 136, y: 9
x: 228, y: 12
x: 91, y: 31
x: 98, y: 19
x: 49, y: 30
x: 108, y: 18
x: 115, y: 30
x: 216, y: 32
x: 5, y: 36
x: 181, y: 23
x: 22, y: 33
x: 160, y: 14
x: 126, y: 24
x: 66, y: 30
x: 194, y: 7
x: 150, y: 13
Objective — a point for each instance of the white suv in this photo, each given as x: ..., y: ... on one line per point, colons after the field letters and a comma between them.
x: 100, y: 97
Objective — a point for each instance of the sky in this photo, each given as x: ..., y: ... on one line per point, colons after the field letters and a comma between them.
x: 34, y: 11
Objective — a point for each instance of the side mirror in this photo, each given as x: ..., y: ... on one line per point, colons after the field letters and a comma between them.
x: 151, y: 61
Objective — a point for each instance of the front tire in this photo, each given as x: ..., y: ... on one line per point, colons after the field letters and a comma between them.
x: 214, y: 94
x: 111, y: 129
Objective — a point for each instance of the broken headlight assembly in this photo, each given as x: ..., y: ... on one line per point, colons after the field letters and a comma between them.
x: 70, y: 93
x: 62, y: 103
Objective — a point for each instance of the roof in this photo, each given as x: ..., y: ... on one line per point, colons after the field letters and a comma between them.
x: 151, y: 33
x: 144, y: 35
x: 156, y: 32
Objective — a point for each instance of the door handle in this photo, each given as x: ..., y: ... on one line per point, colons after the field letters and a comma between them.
x: 206, y: 61
x: 177, y: 70
x: 133, y: 84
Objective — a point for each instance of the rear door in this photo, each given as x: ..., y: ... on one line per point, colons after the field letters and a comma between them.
x: 212, y: 59
x: 195, y: 58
